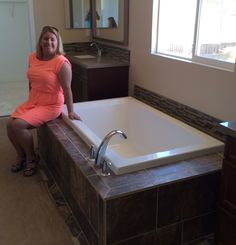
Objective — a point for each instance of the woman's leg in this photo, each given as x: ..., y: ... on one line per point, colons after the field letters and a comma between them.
x: 11, y: 135
x: 20, y: 134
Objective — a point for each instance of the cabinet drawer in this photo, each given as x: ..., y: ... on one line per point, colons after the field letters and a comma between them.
x: 230, y: 149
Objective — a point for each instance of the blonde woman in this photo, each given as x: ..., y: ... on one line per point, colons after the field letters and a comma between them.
x: 49, y: 75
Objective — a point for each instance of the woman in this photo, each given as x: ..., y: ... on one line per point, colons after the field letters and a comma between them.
x: 49, y: 75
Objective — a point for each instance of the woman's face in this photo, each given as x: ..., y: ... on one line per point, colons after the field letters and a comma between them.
x: 49, y: 44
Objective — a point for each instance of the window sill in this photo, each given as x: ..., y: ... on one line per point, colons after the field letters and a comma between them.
x: 230, y: 67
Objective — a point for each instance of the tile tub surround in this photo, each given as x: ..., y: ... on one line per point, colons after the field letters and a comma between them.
x: 188, y: 115
x: 172, y: 204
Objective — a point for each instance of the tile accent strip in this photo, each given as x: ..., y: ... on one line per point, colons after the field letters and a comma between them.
x: 107, y: 51
x: 188, y: 115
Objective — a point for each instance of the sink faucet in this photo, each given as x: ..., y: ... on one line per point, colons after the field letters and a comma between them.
x: 99, y: 50
x: 99, y: 159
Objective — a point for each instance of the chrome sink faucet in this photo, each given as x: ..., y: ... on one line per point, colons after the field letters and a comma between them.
x: 99, y: 50
x: 99, y: 158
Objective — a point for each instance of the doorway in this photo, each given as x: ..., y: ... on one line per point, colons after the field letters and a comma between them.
x: 16, y: 42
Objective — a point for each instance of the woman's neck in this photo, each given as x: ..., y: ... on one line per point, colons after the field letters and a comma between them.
x: 48, y: 57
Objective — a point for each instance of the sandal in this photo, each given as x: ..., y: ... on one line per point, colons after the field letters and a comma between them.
x: 31, y: 167
x: 18, y: 166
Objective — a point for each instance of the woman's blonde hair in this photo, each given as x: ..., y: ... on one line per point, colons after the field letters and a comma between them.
x: 55, y: 31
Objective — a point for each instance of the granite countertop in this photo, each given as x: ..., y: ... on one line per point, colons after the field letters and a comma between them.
x: 96, y: 62
x: 228, y: 128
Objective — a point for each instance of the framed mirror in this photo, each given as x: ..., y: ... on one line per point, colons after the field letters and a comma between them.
x: 110, y: 20
x: 78, y: 14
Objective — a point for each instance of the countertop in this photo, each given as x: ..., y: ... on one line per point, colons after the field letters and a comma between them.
x: 229, y: 128
x: 97, y: 62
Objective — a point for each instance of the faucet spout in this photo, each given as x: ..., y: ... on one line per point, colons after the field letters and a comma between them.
x: 103, y: 146
x: 99, y: 50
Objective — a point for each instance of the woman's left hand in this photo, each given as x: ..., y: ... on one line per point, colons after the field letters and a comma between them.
x: 73, y: 116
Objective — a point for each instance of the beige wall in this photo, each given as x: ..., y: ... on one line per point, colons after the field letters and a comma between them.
x: 51, y: 12
x: 206, y: 89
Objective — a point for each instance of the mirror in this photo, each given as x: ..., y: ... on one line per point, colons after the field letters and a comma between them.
x: 78, y: 14
x: 110, y: 20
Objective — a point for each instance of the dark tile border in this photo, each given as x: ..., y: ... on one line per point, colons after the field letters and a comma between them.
x: 188, y: 115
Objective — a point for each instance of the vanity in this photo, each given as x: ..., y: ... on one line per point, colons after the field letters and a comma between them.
x: 102, y: 76
x: 95, y: 78
x: 226, y: 234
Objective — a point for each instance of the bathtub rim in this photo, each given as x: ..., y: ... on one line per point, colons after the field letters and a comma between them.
x: 177, y: 154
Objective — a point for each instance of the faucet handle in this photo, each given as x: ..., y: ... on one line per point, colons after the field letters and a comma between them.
x: 99, y: 52
x: 105, y: 168
x: 92, y: 152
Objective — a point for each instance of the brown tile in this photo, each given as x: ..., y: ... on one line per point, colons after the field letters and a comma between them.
x: 187, y: 199
x: 85, y: 195
x: 199, y: 227
x: 201, y: 195
x: 91, y: 234
x: 131, y: 215
x: 170, y: 203
x: 168, y: 235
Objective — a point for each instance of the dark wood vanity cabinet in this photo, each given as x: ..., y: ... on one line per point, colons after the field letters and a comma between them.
x: 99, y: 83
x: 226, y: 225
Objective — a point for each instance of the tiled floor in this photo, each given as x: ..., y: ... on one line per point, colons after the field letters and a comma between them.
x: 29, y: 215
x: 12, y: 94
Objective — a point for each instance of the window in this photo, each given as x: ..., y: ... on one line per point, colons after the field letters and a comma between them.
x: 203, y: 31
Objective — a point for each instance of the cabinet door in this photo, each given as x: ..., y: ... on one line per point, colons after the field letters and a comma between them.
x: 79, y: 83
x: 104, y: 83
x: 226, y: 234
x: 228, y: 187
x: 226, y: 227
x: 230, y: 149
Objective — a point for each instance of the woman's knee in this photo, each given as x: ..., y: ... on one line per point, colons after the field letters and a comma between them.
x: 17, y: 124
x: 9, y: 124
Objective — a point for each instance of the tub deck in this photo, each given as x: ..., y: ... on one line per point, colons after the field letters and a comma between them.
x: 153, y: 138
x: 104, y: 205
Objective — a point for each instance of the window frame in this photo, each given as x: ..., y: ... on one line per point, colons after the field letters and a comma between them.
x: 228, y: 66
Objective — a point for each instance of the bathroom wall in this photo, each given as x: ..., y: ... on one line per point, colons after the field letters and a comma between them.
x: 53, y: 13
x: 209, y: 90
x: 206, y: 89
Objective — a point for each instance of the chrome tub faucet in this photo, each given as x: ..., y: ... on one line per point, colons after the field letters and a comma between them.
x: 99, y: 154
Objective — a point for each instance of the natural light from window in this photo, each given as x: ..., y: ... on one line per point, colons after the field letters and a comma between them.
x: 202, y: 31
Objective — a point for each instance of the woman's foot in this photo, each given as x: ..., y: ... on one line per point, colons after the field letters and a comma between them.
x: 31, y: 167
x: 19, y: 165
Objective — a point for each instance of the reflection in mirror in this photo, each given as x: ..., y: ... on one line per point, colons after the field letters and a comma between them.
x: 107, y: 13
x: 78, y: 14
x: 110, y: 20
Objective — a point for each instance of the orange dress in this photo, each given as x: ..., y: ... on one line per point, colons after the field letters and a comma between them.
x: 46, y: 97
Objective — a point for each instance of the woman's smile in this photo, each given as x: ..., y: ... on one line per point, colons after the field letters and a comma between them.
x: 49, y: 44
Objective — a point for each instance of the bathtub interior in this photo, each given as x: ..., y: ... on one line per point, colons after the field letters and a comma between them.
x: 153, y: 138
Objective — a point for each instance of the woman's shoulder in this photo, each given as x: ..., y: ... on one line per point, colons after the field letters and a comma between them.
x: 32, y: 55
x: 62, y: 57
x: 60, y: 60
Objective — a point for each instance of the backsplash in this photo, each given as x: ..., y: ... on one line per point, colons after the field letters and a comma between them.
x: 193, y: 117
x: 107, y: 51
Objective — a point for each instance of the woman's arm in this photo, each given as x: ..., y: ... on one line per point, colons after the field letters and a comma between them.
x: 65, y: 76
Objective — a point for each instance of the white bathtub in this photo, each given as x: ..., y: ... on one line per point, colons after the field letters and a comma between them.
x: 153, y: 138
